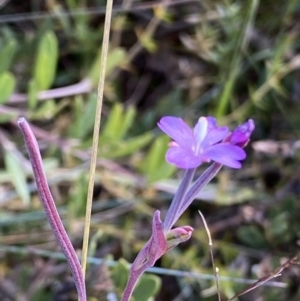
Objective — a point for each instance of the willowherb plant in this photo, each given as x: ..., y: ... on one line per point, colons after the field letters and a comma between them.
x: 205, y: 143
x: 189, y: 149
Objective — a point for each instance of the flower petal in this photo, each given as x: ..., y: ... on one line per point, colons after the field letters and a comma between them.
x: 178, y: 130
x: 215, y: 135
x: 242, y: 133
x: 200, y: 130
x: 182, y: 158
x: 212, y: 122
x: 226, y: 154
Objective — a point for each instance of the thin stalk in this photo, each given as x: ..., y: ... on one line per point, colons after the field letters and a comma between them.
x: 176, y: 203
x: 216, y: 269
x: 205, y: 178
x: 87, y: 223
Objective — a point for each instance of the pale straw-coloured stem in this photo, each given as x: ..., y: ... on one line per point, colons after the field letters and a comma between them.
x: 105, y: 45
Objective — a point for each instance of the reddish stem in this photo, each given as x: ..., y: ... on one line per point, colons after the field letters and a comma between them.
x: 50, y: 208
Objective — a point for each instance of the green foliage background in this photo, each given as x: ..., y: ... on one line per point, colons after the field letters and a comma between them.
x: 230, y: 59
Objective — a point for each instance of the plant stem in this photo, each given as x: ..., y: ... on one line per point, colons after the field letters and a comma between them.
x: 87, y: 223
x: 50, y: 208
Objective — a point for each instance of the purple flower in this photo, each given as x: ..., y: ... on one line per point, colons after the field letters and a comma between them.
x: 204, y: 143
x: 240, y: 136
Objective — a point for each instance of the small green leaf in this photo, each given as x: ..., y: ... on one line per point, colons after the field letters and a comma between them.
x: 119, y: 274
x: 85, y: 118
x: 112, y: 127
x: 6, y: 117
x: 7, y: 86
x: 46, y: 61
x: 7, y: 54
x: 154, y: 165
x: 252, y: 236
x: 46, y: 110
x: 147, y: 287
x: 76, y: 204
x: 115, y: 149
x: 118, y: 122
x: 17, y: 176
x: 32, y: 94
x: 127, y: 121
x: 115, y: 58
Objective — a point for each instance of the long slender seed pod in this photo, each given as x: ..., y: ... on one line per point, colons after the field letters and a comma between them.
x: 50, y: 208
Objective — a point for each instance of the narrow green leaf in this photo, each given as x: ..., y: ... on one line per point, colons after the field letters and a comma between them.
x: 76, y: 203
x: 127, y: 121
x: 17, y: 176
x: 85, y: 121
x: 118, y: 122
x: 112, y: 127
x: 114, y: 149
x: 154, y: 165
x: 7, y: 86
x: 7, y: 55
x: 32, y: 94
x: 149, y: 43
x: 114, y: 59
x: 156, y: 155
x: 46, y: 110
x: 6, y: 117
x: 46, y: 61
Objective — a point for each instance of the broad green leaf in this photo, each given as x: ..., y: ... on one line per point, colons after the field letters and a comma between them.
x: 17, y: 176
x: 46, y: 61
x: 147, y: 287
x: 7, y: 86
x: 119, y: 275
x: 115, y: 58
x: 32, y: 94
x: 6, y: 55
